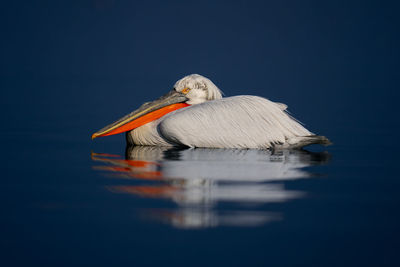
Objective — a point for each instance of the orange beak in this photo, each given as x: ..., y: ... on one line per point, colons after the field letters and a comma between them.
x: 146, y: 113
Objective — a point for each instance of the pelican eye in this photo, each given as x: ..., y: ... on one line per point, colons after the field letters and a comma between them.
x: 186, y: 90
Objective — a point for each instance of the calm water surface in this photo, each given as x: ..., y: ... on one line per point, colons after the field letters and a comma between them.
x: 68, y: 201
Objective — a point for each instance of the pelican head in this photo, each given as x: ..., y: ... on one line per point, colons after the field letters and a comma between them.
x: 190, y: 90
x: 197, y: 89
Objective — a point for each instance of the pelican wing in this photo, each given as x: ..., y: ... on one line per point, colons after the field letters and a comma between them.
x: 232, y: 122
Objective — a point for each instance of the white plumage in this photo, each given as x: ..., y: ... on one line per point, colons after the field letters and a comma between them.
x: 215, y: 122
x: 252, y: 122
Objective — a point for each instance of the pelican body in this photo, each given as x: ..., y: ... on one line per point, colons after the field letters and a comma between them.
x: 194, y: 114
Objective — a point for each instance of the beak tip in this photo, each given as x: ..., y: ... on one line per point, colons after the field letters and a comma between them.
x: 94, y: 136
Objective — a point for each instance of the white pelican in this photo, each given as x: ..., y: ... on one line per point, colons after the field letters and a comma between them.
x: 194, y: 114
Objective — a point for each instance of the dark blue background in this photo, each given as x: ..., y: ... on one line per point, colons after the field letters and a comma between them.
x: 67, y: 68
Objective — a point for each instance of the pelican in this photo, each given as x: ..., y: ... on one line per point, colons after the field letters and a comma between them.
x: 194, y: 114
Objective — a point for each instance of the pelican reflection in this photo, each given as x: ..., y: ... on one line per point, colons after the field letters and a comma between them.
x: 200, y: 180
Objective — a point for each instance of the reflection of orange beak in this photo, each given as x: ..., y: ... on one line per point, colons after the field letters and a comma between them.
x: 128, y: 168
x: 146, y: 113
x: 146, y: 191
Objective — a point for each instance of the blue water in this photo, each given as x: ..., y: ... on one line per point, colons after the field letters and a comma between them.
x: 69, y: 68
x: 64, y: 204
